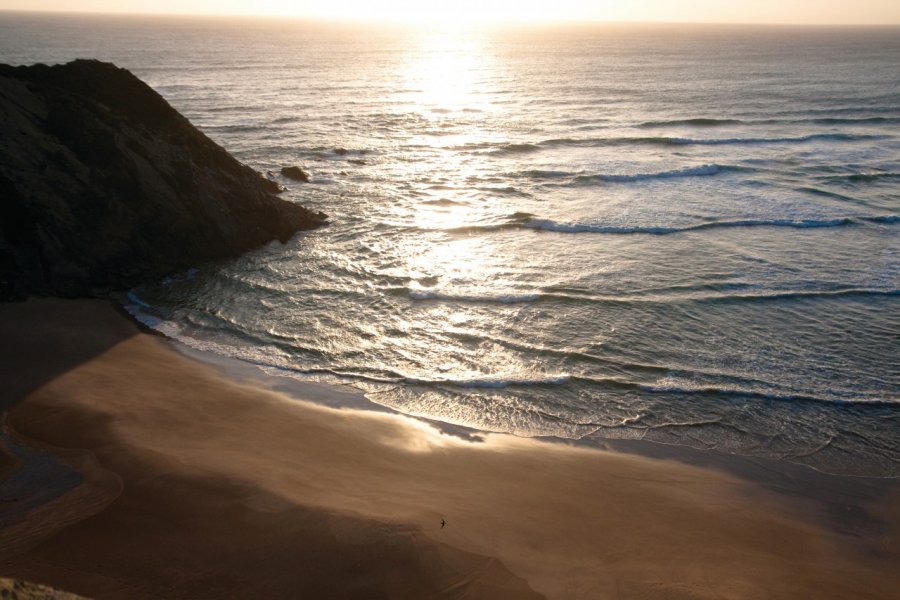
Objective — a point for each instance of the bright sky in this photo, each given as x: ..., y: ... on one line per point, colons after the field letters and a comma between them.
x: 879, y: 12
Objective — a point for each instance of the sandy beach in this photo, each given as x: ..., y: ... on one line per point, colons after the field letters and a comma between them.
x: 133, y: 471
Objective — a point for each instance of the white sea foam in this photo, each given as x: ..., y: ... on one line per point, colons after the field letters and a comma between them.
x: 581, y: 222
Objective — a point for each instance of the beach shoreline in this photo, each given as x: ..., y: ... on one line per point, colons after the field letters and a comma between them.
x: 227, y: 488
x: 837, y: 499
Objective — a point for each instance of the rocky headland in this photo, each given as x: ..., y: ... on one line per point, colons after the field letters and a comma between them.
x: 104, y: 185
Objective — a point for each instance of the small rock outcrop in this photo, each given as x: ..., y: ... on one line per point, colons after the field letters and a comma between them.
x: 271, y: 186
x: 16, y: 589
x: 295, y: 173
x: 104, y: 185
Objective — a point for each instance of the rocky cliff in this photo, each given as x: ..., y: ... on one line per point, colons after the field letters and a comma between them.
x: 103, y: 185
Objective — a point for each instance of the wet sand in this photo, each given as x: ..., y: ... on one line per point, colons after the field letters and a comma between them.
x: 189, y: 484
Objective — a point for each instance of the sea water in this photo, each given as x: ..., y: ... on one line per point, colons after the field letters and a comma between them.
x: 683, y: 234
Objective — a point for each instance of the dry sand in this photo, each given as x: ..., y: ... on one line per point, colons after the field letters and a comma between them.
x: 191, y: 485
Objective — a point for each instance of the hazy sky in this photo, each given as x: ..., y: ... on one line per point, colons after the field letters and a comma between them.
x: 733, y: 11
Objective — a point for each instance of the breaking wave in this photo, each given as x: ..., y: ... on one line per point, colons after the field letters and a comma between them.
x: 864, y: 177
x: 701, y: 171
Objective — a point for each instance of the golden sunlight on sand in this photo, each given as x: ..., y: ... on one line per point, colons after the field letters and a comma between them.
x: 215, y: 489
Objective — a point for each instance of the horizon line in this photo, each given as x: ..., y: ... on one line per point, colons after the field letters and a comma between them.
x: 400, y: 22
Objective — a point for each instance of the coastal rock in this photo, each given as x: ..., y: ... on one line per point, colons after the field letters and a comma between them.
x: 16, y: 589
x: 295, y: 173
x: 341, y: 151
x: 104, y: 185
x: 271, y: 186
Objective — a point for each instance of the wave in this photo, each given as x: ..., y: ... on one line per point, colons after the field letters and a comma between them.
x: 324, y: 152
x: 394, y: 377
x: 589, y: 179
x: 829, y: 194
x: 505, y: 191
x: 697, y: 122
x: 543, y: 174
x: 550, y: 225
x: 854, y: 121
x: 695, y: 294
x: 701, y: 171
x: 241, y: 109
x: 685, y: 141
x: 834, y: 110
x: 529, y: 147
x: 713, y: 390
x: 290, y: 119
x: 491, y: 382
x: 832, y: 137
x: 523, y: 148
x: 863, y: 177
x: 800, y: 294
x: 443, y: 202
x: 136, y: 300
x: 235, y: 128
x: 714, y: 122
x: 739, y: 387
x: 502, y: 298
x: 524, y: 220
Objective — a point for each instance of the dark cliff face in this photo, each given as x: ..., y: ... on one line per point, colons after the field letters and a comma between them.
x: 103, y: 185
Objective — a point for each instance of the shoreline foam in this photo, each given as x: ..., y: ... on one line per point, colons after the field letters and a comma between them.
x: 233, y: 490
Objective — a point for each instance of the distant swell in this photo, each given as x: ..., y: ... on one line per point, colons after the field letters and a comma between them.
x: 525, y: 147
x: 443, y: 202
x: 524, y: 221
x: 503, y: 298
x: 699, y: 122
x: 544, y: 174
x: 709, y: 122
x: 763, y: 395
x: 516, y: 149
x: 579, y: 179
x: 738, y: 388
x: 393, y: 377
x: 494, y: 383
x: 701, y: 171
x: 709, y: 295
x: 855, y: 121
x: 550, y: 225
x: 864, y: 177
x: 500, y: 382
x: 683, y: 141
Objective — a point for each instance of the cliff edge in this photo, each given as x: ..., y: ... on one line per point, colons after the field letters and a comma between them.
x: 104, y: 185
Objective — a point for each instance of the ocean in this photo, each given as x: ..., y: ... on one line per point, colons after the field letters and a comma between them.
x: 681, y: 234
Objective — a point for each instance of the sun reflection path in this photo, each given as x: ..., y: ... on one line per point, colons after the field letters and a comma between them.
x: 444, y: 69
x: 448, y: 79
x: 448, y: 82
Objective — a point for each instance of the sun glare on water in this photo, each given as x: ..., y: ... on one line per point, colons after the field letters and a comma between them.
x: 448, y: 81
x: 423, y: 12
